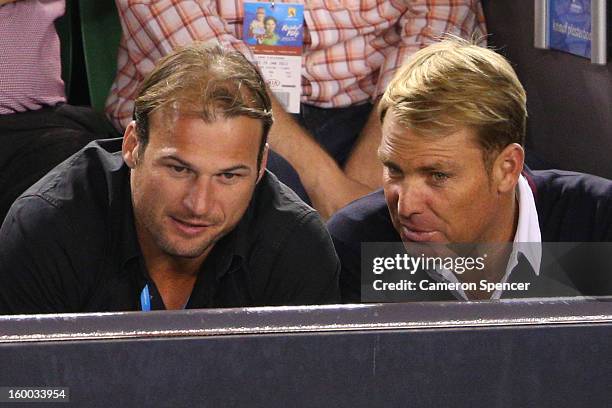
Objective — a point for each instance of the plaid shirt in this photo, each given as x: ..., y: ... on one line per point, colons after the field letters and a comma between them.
x: 351, y: 47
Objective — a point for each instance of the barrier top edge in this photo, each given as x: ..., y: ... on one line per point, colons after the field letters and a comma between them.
x: 303, y: 319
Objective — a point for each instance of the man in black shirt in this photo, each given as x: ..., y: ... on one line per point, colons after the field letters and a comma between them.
x: 180, y: 213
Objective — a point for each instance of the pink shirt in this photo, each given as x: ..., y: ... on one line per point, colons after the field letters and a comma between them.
x: 30, y: 65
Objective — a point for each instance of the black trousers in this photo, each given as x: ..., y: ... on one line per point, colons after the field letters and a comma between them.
x: 32, y: 143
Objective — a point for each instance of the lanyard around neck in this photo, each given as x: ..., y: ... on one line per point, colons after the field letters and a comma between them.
x: 145, y: 299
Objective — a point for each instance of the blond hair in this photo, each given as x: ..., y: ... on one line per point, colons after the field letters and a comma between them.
x: 455, y: 83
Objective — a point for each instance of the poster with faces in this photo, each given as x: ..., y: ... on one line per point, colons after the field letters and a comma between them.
x: 275, y: 34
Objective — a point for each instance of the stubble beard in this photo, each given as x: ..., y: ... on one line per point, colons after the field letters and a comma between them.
x: 170, y: 248
x: 161, y: 239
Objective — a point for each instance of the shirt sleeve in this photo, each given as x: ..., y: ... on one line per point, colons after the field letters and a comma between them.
x: 154, y: 28
x: 36, y: 270
x: 307, y: 269
x: 349, y: 252
x: 423, y: 23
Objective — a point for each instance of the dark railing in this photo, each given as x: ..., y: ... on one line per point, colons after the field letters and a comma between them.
x: 553, y: 353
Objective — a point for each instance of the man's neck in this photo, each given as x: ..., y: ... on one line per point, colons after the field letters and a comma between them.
x: 173, y: 276
x: 505, y: 224
x: 174, y: 289
x: 174, y: 280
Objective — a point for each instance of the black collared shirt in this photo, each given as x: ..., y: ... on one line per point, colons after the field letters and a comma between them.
x: 69, y: 244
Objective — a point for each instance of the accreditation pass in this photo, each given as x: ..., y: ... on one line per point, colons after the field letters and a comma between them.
x: 275, y: 34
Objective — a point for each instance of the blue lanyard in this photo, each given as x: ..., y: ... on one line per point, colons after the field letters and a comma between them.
x: 145, y: 299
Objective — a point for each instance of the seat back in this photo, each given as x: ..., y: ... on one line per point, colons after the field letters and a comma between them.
x: 101, y: 32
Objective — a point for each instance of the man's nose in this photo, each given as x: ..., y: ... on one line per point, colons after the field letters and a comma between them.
x: 410, y: 199
x: 199, y: 199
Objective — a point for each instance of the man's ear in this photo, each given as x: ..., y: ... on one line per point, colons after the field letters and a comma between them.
x: 508, y: 167
x: 264, y: 162
x: 130, y: 146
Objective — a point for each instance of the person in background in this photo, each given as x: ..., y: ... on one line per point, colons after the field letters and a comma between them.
x: 179, y: 213
x: 38, y: 129
x: 352, y: 48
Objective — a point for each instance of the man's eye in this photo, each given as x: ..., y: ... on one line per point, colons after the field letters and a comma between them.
x: 439, y: 177
x: 229, y: 176
x: 394, y: 172
x: 179, y: 169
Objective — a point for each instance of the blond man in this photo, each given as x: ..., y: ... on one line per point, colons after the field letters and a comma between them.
x: 453, y: 129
